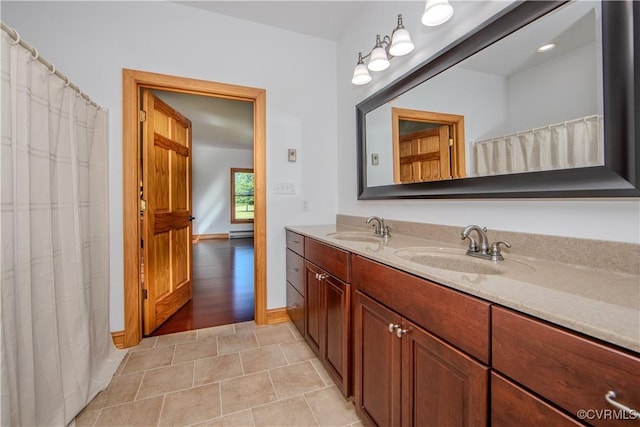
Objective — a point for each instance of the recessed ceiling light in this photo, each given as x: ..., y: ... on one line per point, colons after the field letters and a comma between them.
x: 546, y: 48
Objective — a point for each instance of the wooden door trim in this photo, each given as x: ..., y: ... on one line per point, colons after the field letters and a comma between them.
x: 132, y: 81
x: 458, y: 148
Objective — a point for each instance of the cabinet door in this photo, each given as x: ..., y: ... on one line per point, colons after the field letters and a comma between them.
x: 313, y: 301
x: 441, y: 386
x: 336, y: 345
x: 377, y: 363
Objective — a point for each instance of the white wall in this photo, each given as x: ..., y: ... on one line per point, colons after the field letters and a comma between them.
x: 211, y: 187
x: 533, y: 93
x: 617, y: 220
x: 92, y: 41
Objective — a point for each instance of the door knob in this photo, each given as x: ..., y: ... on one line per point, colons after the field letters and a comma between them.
x: 191, y: 218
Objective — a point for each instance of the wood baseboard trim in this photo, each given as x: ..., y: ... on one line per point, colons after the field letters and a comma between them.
x: 118, y: 339
x: 220, y: 236
x: 277, y: 315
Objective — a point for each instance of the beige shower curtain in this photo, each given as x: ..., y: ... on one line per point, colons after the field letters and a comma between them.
x: 57, y: 352
x: 571, y: 144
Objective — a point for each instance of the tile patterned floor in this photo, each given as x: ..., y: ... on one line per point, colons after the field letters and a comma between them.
x: 232, y: 375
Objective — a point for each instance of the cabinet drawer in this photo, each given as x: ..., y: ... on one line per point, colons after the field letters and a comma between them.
x: 295, y: 307
x: 335, y: 261
x: 573, y: 372
x: 295, y: 270
x: 513, y: 406
x: 460, y: 319
x: 295, y: 242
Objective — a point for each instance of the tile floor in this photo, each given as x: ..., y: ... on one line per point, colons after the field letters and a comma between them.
x: 232, y: 375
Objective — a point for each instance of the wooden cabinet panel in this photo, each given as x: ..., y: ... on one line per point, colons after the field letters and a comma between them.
x: 295, y: 270
x: 441, y: 386
x: 337, y: 320
x: 573, y: 372
x: 295, y: 307
x: 295, y: 242
x: 334, y: 260
x: 457, y: 318
x: 377, y: 363
x: 514, y: 406
x: 313, y: 306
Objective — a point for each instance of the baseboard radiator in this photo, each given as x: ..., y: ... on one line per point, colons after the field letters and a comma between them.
x: 240, y: 234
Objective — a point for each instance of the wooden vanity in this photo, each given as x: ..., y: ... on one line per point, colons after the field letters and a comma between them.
x: 412, y: 352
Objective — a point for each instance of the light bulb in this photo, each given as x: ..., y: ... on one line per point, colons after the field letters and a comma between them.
x: 436, y: 12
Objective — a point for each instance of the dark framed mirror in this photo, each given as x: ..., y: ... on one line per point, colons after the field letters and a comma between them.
x: 615, y: 170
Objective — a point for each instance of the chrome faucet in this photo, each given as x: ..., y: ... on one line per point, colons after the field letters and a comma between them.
x: 485, y: 250
x: 379, y: 229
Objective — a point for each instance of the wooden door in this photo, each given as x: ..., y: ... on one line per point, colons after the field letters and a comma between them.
x: 424, y: 155
x: 336, y: 325
x: 167, y: 251
x: 313, y: 298
x: 377, y: 362
x: 441, y: 386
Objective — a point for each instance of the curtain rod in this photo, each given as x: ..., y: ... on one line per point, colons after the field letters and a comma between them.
x: 581, y: 119
x: 36, y: 56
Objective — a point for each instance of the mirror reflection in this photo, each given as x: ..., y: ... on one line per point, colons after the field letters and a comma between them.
x: 510, y: 108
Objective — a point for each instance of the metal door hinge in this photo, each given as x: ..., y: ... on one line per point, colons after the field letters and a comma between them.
x: 143, y: 205
x: 145, y: 294
x: 450, y: 142
x: 142, y: 115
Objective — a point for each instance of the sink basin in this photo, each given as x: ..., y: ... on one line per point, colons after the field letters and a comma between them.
x: 355, y: 236
x: 456, y: 260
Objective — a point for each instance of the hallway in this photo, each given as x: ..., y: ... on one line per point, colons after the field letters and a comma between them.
x: 222, y: 287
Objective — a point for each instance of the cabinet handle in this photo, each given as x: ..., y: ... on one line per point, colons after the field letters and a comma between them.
x: 611, y: 395
x: 322, y: 276
x: 295, y: 270
x: 295, y: 241
x: 393, y: 327
x: 400, y: 332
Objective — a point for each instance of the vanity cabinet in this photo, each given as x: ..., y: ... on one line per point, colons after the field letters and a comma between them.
x: 295, y: 280
x: 569, y: 371
x: 413, y: 342
x: 327, y: 308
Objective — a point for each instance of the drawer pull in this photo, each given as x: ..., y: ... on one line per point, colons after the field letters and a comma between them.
x: 400, y: 332
x: 295, y: 270
x: 295, y: 242
x: 611, y: 395
x: 393, y: 327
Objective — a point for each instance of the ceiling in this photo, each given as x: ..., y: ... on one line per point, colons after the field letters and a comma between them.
x: 215, y: 122
x: 324, y: 19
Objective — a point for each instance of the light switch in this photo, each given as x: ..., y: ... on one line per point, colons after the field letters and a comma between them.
x: 375, y: 159
x: 292, y: 154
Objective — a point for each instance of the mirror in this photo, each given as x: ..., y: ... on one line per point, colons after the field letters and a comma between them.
x: 560, y: 123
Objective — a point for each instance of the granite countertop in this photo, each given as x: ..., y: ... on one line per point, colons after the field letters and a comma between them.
x: 596, y: 302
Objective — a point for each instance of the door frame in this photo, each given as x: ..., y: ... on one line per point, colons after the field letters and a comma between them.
x: 132, y: 82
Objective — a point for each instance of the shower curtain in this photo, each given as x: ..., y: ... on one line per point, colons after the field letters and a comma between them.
x: 571, y: 144
x: 57, y: 352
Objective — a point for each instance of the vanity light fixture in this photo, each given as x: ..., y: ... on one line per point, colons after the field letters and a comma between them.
x: 436, y: 12
x: 546, y: 47
x: 398, y: 44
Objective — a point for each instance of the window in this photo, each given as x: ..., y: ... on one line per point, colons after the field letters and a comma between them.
x: 241, y: 195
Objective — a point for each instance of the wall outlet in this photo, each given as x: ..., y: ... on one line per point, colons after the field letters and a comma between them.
x: 292, y: 154
x: 305, y: 205
x: 284, y: 188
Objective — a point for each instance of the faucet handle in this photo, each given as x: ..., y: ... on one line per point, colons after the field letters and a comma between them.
x: 386, y: 231
x: 473, y: 246
x: 495, y: 250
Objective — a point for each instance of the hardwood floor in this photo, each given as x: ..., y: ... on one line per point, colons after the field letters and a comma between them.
x: 222, y: 287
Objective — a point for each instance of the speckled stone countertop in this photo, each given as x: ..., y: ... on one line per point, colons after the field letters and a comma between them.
x: 597, y: 302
